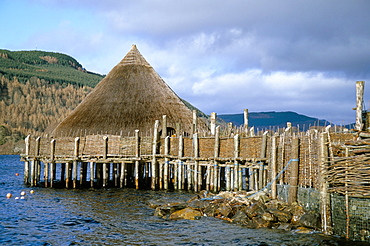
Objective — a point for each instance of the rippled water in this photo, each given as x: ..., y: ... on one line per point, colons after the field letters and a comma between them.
x: 116, y: 217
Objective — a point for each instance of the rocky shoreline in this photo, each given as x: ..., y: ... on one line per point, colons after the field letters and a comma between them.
x: 249, y: 209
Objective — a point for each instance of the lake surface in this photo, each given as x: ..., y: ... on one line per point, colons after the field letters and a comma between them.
x: 117, y: 217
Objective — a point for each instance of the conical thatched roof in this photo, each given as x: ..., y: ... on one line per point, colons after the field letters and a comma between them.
x: 132, y: 96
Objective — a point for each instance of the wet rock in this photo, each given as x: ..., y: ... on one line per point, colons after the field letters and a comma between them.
x: 261, y: 223
x: 297, y: 212
x: 224, y: 210
x: 285, y: 226
x: 240, y: 217
x: 310, y: 220
x: 187, y: 214
x: 162, y: 211
x: 205, y: 194
x: 276, y: 204
x: 281, y: 215
x: 269, y: 217
x: 303, y: 230
x: 198, y: 204
x: 257, y: 208
x: 166, y: 210
x: 261, y: 197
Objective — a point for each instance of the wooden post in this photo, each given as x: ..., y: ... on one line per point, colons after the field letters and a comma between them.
x: 251, y: 132
x: 246, y: 120
x: 195, y: 122
x: 216, y: 153
x: 181, y: 164
x: 105, y: 169
x: 294, y: 172
x: 52, y: 162
x: 75, y: 161
x: 164, y: 126
x: 37, y: 162
x: 348, y: 218
x: 91, y: 174
x: 261, y: 171
x: 83, y: 173
x: 197, y: 175
x: 137, y: 155
x: 273, y: 163
x: 122, y: 175
x: 34, y: 163
x: 154, y: 159
x: 229, y: 128
x: 359, y: 104
x: 166, y: 162
x: 67, y: 174
x: 236, y: 163
x: 26, y: 163
x: 213, y: 123
x: 115, y: 174
x: 324, y: 195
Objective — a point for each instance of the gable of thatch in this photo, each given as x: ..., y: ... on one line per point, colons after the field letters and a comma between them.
x: 132, y: 96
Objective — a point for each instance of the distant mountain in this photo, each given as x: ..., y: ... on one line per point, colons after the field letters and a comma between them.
x: 277, y: 119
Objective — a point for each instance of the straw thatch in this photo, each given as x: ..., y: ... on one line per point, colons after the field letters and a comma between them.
x: 132, y: 96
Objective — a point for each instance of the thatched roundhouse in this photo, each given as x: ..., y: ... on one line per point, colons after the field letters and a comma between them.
x: 132, y: 96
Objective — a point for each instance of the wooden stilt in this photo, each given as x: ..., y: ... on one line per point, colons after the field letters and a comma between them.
x: 227, y: 176
x: 52, y: 162
x: 359, y: 104
x: 137, y: 162
x: 236, y: 163
x: 246, y: 121
x: 196, y: 163
x: 273, y: 163
x: 154, y: 158
x: 26, y: 176
x: 181, y: 164
x: 166, y: 162
x: 261, y: 170
x: 324, y: 195
x: 35, y: 164
x: 105, y: 168
x: 92, y: 174
x: 83, y: 172
x: 216, y: 154
x: 213, y: 123
x: 67, y: 173
x: 122, y: 177
x: 294, y: 172
x: 75, y: 161
x: 46, y: 174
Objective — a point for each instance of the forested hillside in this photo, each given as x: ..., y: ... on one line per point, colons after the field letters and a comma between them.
x: 38, y: 89
x: 50, y: 66
x: 31, y: 107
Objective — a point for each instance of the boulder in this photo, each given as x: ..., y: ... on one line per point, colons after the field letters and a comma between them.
x: 187, y: 214
x: 269, y: 216
x: 284, y: 226
x: 257, y: 208
x: 224, y: 210
x: 310, y: 220
x: 165, y: 210
x: 198, y: 204
x: 297, y: 212
x: 281, y: 215
x: 261, y: 223
x: 240, y: 217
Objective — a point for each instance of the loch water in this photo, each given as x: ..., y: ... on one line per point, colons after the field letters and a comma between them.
x: 117, y: 217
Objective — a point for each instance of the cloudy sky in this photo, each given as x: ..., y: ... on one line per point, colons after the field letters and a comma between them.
x: 222, y: 56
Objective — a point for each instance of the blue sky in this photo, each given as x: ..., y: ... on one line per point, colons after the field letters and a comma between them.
x: 222, y: 56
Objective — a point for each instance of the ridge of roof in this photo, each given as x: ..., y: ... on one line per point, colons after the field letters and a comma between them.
x: 134, y: 57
